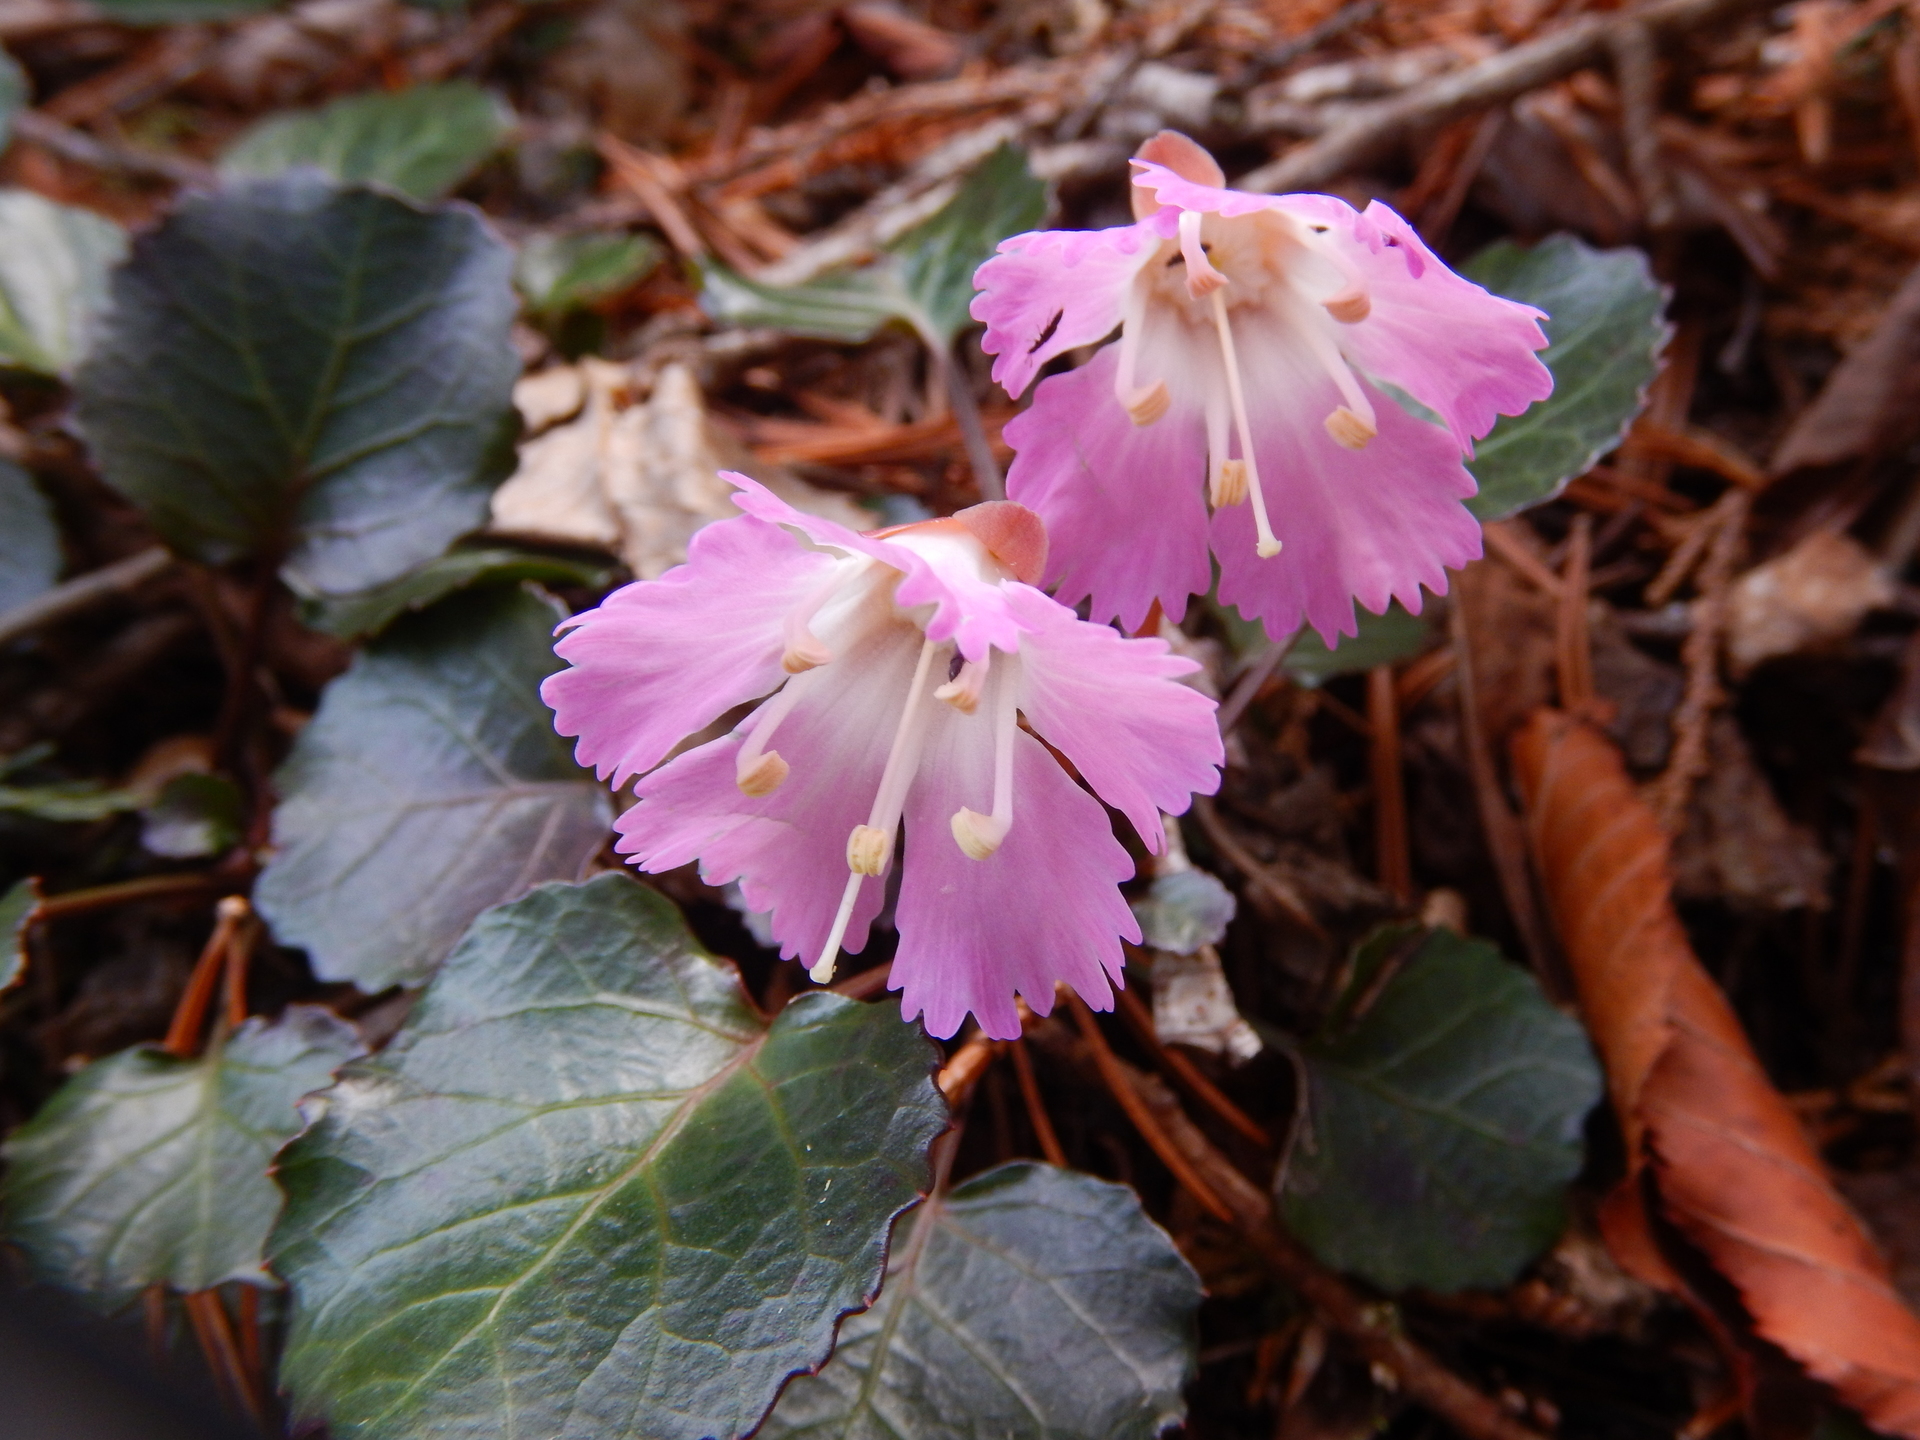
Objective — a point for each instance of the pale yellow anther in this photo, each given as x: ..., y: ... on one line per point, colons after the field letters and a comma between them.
x: 823, y: 972
x: 1266, y: 549
x: 977, y: 835
x: 763, y: 777
x: 1229, y: 483
x: 867, y: 849
x: 1350, y: 306
x: 958, y: 695
x: 803, y: 653
x: 1349, y: 429
x: 1149, y: 403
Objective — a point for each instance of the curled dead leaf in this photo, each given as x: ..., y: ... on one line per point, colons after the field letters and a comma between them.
x: 1730, y: 1165
x: 634, y: 478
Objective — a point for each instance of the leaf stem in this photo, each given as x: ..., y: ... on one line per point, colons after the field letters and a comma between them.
x: 973, y: 430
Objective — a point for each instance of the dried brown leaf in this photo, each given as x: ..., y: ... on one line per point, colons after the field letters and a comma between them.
x: 1730, y: 1163
x: 1871, y: 401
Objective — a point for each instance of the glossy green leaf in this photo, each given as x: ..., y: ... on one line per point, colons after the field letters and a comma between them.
x: 925, y: 278
x: 193, y: 816
x: 587, y: 1192
x: 429, y: 785
x: 30, y: 557
x: 1445, y: 1119
x: 319, y: 375
x: 16, y: 908
x: 54, y: 261
x: 422, y: 142
x: 1029, y: 1304
x: 1381, y: 640
x: 559, y: 273
x: 13, y: 95
x: 1605, y: 332
x: 146, y: 1168
x: 370, y: 611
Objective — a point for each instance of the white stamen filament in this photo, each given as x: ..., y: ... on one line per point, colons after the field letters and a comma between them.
x: 804, y: 649
x: 1202, y: 278
x: 1354, y: 423
x: 1353, y: 302
x: 756, y: 769
x: 980, y: 835
x: 869, y: 846
x: 1266, y: 545
x: 963, y: 691
x: 1219, y: 429
x: 1143, y: 405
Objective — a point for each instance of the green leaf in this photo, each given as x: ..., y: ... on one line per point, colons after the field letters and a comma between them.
x: 368, y: 612
x: 429, y: 785
x: 147, y: 1169
x: 13, y: 95
x: 16, y: 908
x: 849, y: 307
x: 30, y: 557
x: 588, y: 1192
x: 937, y: 258
x: 1445, y: 1119
x: 67, y: 800
x: 925, y: 279
x: 193, y: 816
x: 422, y: 142
x: 1605, y: 330
x: 560, y: 273
x: 54, y: 261
x: 1381, y: 640
x: 1029, y: 1304
x: 316, y: 375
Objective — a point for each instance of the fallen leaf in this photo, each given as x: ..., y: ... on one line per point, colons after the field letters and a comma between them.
x: 635, y: 479
x: 1730, y: 1164
x: 1739, y: 846
x: 1814, y: 595
x: 1871, y: 402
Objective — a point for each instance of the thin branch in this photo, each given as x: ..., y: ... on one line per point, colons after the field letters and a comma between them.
x: 83, y: 592
x: 1392, y: 862
x: 1277, y: 891
x: 1370, y: 131
x: 1036, y: 1109
x: 973, y: 431
x: 183, y: 1035
x: 83, y: 149
x: 1186, y: 1072
x: 1253, y: 678
x: 122, y: 892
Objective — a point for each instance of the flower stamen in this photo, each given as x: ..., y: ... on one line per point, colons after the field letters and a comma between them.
x: 804, y: 649
x: 1202, y: 278
x: 1267, y: 545
x: 980, y: 835
x: 962, y: 690
x: 1354, y: 423
x: 756, y: 769
x: 1144, y: 404
x: 870, y: 846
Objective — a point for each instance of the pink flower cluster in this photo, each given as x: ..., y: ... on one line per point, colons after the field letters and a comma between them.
x: 919, y: 678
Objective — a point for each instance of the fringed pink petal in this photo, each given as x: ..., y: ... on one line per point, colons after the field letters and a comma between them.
x: 967, y: 610
x: 1050, y: 290
x: 1183, y: 194
x: 659, y: 660
x: 1464, y: 353
x: 1124, y: 504
x: 1375, y: 524
x: 787, y: 849
x: 1042, y: 908
x: 1114, y: 707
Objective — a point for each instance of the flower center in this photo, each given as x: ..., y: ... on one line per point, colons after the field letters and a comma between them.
x: 1252, y: 263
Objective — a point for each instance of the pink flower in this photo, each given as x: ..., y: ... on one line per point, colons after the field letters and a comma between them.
x: 892, y: 671
x: 1256, y: 331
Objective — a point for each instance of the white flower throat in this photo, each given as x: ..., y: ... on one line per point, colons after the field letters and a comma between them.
x: 852, y: 606
x: 1272, y: 271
